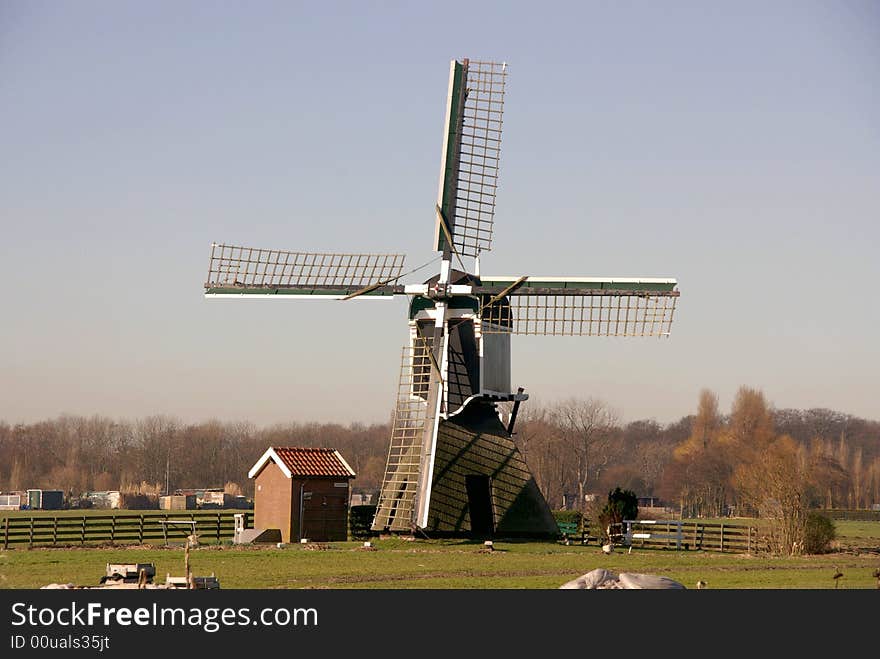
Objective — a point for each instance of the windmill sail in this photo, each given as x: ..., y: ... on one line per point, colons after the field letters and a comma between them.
x: 397, y: 504
x: 578, y: 306
x: 248, y: 271
x: 471, y: 156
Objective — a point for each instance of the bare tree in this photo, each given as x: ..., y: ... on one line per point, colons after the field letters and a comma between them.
x: 775, y: 481
x: 873, y: 481
x: 532, y: 426
x: 652, y: 460
x: 857, y: 472
x: 587, y: 431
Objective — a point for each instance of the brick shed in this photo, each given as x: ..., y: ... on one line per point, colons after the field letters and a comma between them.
x: 303, y: 492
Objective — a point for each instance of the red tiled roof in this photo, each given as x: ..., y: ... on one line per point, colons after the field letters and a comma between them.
x: 313, y: 461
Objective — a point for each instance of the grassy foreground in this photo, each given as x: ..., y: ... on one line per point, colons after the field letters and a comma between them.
x: 437, y: 564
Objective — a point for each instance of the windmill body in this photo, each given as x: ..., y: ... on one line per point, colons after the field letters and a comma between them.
x: 452, y: 466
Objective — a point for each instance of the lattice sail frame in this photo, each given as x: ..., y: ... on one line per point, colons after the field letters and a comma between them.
x: 250, y: 267
x: 471, y: 156
x: 558, y: 306
x: 397, y: 504
x: 480, y: 156
x: 594, y: 314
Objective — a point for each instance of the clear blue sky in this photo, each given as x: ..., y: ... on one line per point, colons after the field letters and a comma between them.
x: 733, y: 145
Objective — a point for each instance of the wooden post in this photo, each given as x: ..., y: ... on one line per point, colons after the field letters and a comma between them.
x: 189, y: 579
x: 6, y: 535
x: 31, y: 539
x: 141, y: 531
x: 112, y: 529
x: 749, y: 545
x: 218, y: 528
x: 722, y: 536
x: 82, y: 533
x: 54, y: 530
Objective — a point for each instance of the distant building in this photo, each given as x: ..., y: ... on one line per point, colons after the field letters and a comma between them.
x: 45, y: 499
x: 12, y: 500
x: 178, y: 502
x: 570, y: 500
x: 363, y: 498
x: 303, y: 492
x: 106, y: 499
x: 208, y: 497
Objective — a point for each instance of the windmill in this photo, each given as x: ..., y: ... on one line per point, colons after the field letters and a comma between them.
x: 452, y: 466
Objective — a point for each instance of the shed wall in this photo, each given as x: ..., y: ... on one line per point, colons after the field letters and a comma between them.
x: 273, y: 504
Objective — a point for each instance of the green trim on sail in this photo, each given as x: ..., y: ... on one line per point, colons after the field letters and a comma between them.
x: 615, y: 285
x: 317, y: 292
x: 450, y: 167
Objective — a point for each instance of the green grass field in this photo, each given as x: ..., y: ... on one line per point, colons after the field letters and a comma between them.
x: 435, y: 564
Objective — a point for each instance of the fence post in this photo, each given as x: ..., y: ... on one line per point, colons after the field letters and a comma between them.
x: 54, y: 531
x: 82, y: 533
x: 31, y: 538
x: 749, y: 542
x: 722, y: 536
x: 141, y: 531
x: 6, y: 535
x: 218, y: 528
x: 113, y: 529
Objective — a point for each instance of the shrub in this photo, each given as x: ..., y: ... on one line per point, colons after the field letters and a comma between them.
x: 360, y: 518
x: 621, y: 505
x: 819, y: 532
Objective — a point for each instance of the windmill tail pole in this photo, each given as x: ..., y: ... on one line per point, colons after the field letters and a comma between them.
x: 513, y: 412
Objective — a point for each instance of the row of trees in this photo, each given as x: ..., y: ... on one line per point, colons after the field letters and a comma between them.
x: 755, y: 461
x: 700, y: 462
x: 79, y: 454
x: 750, y: 461
x: 575, y: 447
x: 745, y: 463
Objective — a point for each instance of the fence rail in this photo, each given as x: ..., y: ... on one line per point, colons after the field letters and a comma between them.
x: 126, y: 529
x: 675, y: 534
x: 850, y: 515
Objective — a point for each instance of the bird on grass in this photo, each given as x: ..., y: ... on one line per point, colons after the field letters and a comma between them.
x: 837, y: 575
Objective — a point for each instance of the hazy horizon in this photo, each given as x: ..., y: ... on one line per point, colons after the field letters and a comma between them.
x: 734, y: 147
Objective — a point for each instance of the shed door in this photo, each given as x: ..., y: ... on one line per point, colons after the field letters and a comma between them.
x: 325, y: 515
